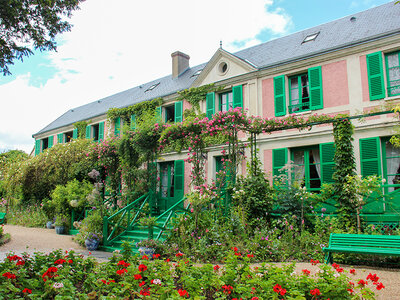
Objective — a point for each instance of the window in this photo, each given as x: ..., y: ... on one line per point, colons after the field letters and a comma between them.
x: 68, y: 136
x: 197, y: 73
x: 225, y: 101
x: 152, y: 87
x: 307, y: 167
x: 393, y: 73
x: 169, y: 113
x: 310, y: 37
x: 391, y: 165
x: 45, y: 144
x: 95, y: 132
x: 305, y: 92
x: 299, y: 93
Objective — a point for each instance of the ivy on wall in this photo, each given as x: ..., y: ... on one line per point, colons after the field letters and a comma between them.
x: 136, y: 109
x: 81, y: 126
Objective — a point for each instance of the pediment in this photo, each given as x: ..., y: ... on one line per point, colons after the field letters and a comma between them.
x: 223, y: 65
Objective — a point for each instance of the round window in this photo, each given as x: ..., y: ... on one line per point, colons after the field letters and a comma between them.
x: 223, y: 67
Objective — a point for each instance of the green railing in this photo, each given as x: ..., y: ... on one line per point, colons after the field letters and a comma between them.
x: 123, y: 219
x: 170, y: 213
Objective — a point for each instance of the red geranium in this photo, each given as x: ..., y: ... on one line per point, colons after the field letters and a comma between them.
x: 352, y: 271
x: 9, y: 275
x: 20, y: 263
x: 179, y: 254
x: 306, y: 272
x: 315, y: 292
x: 27, y: 291
x: 138, y: 276
x: 60, y: 261
x: 156, y: 255
x: 142, y: 268
x: 227, y: 289
x: 123, y: 263
x: 183, y: 293
x: 49, y: 273
x: 379, y: 286
x: 216, y: 268
x: 362, y: 282
x: 122, y: 271
x: 373, y: 278
x: 145, y: 292
x: 145, y: 257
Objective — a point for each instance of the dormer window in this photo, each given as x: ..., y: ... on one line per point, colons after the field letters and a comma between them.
x: 310, y: 37
x: 152, y: 87
x: 197, y: 73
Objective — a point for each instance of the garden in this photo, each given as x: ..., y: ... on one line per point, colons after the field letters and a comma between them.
x: 218, y: 244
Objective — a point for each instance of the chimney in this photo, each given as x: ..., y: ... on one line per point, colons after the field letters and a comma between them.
x: 180, y: 62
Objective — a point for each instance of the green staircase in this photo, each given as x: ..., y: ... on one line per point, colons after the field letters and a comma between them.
x: 137, y: 234
x: 124, y: 224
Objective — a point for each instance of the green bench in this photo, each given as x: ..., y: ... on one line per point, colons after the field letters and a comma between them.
x: 363, y: 244
x: 2, y: 217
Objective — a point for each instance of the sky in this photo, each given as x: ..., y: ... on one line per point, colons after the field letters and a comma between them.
x: 116, y: 45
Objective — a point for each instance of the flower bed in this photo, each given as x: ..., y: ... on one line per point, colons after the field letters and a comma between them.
x: 59, y: 275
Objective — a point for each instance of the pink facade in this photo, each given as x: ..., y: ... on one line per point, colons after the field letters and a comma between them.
x: 364, y: 78
x: 268, y: 98
x: 268, y: 163
x: 334, y: 84
x: 188, y: 171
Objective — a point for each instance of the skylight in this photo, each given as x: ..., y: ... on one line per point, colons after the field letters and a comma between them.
x: 152, y: 87
x: 197, y: 73
x: 310, y: 37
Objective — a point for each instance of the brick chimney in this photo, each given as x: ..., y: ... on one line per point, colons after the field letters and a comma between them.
x: 180, y: 62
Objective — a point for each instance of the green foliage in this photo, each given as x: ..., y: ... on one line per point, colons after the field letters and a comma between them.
x: 137, y: 109
x: 345, y: 166
x: 196, y: 94
x: 253, y: 194
x: 73, y: 194
x: 92, y: 224
x: 81, y: 126
x: 35, y: 178
x: 8, y: 161
x: 27, y: 215
x: 62, y: 220
x: 29, y: 25
x: 140, y: 278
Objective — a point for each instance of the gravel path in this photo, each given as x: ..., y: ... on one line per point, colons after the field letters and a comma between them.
x: 45, y: 240
x: 30, y: 240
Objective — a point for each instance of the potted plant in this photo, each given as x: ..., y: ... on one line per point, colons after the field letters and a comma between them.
x: 61, y: 223
x: 148, y: 222
x: 147, y: 247
x: 92, y: 241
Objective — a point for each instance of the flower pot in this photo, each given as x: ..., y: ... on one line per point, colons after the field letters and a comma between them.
x: 92, y: 244
x: 49, y: 225
x: 148, y: 251
x: 60, y: 229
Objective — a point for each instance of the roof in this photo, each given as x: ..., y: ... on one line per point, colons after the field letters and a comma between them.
x: 374, y: 23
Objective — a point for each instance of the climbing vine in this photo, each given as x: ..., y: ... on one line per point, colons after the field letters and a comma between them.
x: 81, y: 126
x: 137, y: 109
x: 197, y: 94
x: 345, y: 166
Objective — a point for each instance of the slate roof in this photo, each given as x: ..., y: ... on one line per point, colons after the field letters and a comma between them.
x: 354, y: 29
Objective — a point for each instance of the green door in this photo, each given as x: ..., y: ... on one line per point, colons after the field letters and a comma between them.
x: 171, y: 184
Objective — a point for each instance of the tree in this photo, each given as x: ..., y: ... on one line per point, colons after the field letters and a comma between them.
x: 31, y: 24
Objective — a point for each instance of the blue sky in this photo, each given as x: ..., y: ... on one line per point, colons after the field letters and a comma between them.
x: 113, y: 47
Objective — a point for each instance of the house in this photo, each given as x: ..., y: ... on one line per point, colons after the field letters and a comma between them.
x: 350, y: 65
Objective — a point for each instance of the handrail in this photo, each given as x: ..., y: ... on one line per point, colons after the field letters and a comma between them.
x: 108, y: 238
x: 170, y: 212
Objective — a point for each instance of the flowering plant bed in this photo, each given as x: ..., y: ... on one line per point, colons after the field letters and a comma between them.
x: 60, y: 275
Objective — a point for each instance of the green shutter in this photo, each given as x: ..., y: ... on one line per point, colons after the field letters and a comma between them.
x: 60, y: 138
x: 133, y: 122
x: 237, y: 92
x: 315, y: 81
x: 50, y: 141
x: 37, y: 147
x: 210, y: 105
x: 88, y: 131
x: 178, y: 111
x: 375, y: 76
x: 179, y: 178
x: 75, y: 133
x: 101, y: 131
x: 117, y: 127
x: 370, y: 156
x: 279, y: 96
x: 159, y: 114
x: 279, y: 160
x: 327, y: 153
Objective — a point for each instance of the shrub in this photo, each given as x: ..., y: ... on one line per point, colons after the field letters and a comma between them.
x: 26, y: 215
x: 34, y: 179
x: 93, y: 223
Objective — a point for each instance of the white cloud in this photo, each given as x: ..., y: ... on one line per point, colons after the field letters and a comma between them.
x: 116, y: 45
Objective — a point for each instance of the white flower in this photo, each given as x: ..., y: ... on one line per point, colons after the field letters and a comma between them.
x: 157, y: 281
x: 58, y: 285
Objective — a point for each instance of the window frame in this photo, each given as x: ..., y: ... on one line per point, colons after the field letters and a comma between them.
x: 300, y: 87
x: 228, y: 103
x: 306, y: 162
x: 387, y: 69
x: 384, y: 157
